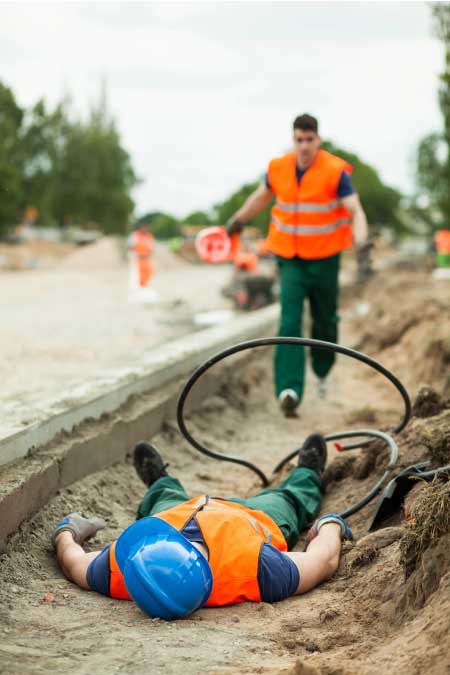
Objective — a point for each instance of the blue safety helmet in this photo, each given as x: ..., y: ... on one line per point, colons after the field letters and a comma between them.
x: 167, y: 577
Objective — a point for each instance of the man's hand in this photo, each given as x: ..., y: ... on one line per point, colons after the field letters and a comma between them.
x: 346, y: 532
x: 234, y: 226
x: 363, y: 254
x: 253, y: 205
x: 80, y: 527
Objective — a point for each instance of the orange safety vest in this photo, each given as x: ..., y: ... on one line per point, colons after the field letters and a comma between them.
x: 442, y: 241
x: 233, y: 535
x: 246, y: 261
x: 142, y: 243
x: 308, y: 219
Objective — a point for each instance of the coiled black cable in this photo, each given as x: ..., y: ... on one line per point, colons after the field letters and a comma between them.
x: 316, y: 344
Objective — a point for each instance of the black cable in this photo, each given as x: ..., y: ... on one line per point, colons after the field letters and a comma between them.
x: 306, y: 342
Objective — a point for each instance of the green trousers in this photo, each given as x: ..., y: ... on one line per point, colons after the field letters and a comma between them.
x: 316, y: 280
x: 292, y: 506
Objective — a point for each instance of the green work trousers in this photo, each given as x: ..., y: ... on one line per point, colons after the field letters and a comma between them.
x: 292, y: 505
x: 316, y: 280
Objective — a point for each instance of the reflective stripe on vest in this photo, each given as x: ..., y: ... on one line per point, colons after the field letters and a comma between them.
x: 308, y: 207
x: 290, y: 228
x: 308, y: 219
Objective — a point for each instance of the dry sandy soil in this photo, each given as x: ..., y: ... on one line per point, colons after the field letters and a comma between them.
x: 368, y: 619
x: 76, y: 322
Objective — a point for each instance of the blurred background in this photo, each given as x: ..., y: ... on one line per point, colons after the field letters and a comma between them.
x: 114, y: 115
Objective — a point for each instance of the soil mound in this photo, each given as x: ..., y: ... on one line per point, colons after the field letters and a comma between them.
x: 408, y: 328
x: 105, y: 253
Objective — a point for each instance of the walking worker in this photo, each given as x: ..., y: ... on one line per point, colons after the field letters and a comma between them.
x: 316, y: 215
x: 182, y: 554
x: 141, y: 243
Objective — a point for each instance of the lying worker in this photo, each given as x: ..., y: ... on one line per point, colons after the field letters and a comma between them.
x: 184, y: 553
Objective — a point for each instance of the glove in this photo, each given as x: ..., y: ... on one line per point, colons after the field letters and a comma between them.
x: 234, y: 226
x: 346, y: 532
x: 81, y: 528
x: 364, y: 261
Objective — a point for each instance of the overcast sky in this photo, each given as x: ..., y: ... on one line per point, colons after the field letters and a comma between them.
x: 204, y: 93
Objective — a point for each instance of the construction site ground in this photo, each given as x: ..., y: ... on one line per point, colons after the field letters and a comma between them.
x: 368, y: 619
x: 76, y: 320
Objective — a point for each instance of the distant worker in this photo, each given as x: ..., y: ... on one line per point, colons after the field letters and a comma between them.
x: 315, y: 211
x: 183, y: 553
x: 442, y: 243
x: 141, y: 243
x: 245, y: 261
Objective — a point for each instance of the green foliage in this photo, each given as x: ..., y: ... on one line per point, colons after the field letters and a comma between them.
x: 70, y: 170
x: 42, y: 135
x: 228, y: 208
x: 198, y: 218
x: 433, y: 152
x: 380, y: 202
x: 11, y: 117
x: 94, y: 176
x: 161, y: 225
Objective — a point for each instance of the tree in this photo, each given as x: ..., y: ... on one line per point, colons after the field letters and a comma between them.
x: 11, y: 117
x: 433, y: 153
x: 198, y: 218
x: 162, y: 225
x: 380, y: 202
x: 67, y: 168
x: 228, y: 208
x: 42, y: 145
x: 94, y: 175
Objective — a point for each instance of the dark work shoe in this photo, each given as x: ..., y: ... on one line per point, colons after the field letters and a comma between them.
x: 289, y: 402
x: 313, y: 453
x: 148, y: 463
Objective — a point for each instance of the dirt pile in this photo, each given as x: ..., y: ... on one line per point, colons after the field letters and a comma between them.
x: 105, y: 253
x: 32, y: 254
x: 408, y: 327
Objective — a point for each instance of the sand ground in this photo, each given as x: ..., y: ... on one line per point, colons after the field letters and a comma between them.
x: 76, y: 322
x: 348, y: 626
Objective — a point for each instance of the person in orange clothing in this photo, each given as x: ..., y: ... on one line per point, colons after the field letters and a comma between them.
x: 141, y: 243
x: 246, y: 261
x: 182, y: 554
x: 315, y: 216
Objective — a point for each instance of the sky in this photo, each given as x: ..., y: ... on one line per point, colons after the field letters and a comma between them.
x: 204, y: 93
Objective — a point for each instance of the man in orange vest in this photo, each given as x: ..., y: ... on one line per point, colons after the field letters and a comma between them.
x: 141, y: 243
x: 316, y: 215
x: 182, y: 554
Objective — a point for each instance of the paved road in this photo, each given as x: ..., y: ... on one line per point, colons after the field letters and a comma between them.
x: 65, y: 326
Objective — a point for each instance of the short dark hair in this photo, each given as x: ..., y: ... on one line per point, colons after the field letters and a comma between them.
x: 306, y: 122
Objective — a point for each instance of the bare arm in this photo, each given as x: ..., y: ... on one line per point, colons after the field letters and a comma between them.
x: 254, y: 204
x: 359, y: 220
x: 73, y: 560
x: 321, y: 559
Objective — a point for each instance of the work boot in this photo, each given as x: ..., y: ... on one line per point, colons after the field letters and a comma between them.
x: 148, y: 463
x: 289, y: 402
x: 313, y: 453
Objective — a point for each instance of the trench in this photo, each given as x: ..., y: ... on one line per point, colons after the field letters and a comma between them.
x: 347, y: 626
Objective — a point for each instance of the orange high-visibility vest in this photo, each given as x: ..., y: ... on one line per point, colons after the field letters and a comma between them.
x: 442, y: 241
x: 308, y: 219
x: 233, y: 535
x: 142, y: 243
x: 246, y: 261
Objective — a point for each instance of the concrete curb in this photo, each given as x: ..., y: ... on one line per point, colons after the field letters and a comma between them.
x: 109, y: 420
